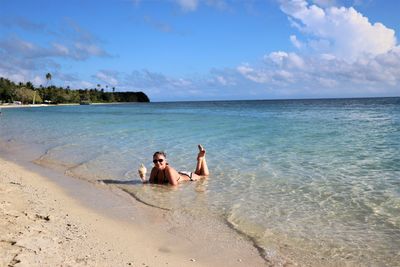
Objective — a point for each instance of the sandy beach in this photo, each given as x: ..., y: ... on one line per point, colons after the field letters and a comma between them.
x: 43, y: 225
x: 10, y: 105
x: 32, y: 105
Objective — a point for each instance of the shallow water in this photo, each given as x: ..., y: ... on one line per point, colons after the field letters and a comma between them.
x: 317, y: 181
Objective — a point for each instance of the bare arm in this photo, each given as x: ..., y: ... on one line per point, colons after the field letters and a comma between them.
x: 172, y: 175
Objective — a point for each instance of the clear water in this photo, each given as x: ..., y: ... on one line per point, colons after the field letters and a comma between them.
x: 317, y: 181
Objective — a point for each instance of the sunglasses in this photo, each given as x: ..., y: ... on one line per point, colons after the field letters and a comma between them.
x: 158, y: 160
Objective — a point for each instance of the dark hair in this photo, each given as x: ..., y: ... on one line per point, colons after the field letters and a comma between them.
x: 162, y: 153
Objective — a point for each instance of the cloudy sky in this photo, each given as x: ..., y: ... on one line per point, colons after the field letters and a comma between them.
x: 206, y: 49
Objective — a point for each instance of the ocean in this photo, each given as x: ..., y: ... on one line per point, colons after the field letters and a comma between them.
x: 317, y: 181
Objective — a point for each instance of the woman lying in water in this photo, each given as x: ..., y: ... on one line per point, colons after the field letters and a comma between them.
x: 163, y: 173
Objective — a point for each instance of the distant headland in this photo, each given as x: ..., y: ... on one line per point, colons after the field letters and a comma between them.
x: 27, y: 93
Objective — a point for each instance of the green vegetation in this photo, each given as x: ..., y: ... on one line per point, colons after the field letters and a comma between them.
x: 28, y: 94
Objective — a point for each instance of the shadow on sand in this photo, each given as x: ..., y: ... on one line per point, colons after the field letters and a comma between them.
x: 120, y: 182
x: 133, y: 182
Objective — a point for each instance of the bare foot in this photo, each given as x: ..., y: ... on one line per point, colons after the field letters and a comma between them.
x: 202, y: 152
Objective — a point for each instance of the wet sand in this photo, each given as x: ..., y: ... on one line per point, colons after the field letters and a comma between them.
x: 45, y: 223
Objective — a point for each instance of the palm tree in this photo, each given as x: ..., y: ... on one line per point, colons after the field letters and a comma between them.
x: 30, y: 85
x: 48, y: 78
x: 34, y: 96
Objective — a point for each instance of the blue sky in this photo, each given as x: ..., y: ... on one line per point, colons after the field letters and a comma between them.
x: 206, y: 49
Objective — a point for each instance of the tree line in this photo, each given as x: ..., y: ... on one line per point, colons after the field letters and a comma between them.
x: 27, y: 93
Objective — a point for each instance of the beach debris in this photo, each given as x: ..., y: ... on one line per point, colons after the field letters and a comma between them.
x: 11, y: 242
x: 14, y: 261
x: 46, y: 218
x: 193, y: 260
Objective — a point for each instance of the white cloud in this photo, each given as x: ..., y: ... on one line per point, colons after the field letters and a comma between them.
x: 245, y: 69
x: 19, y: 48
x: 107, y: 77
x: 192, y: 5
x: 296, y: 42
x: 286, y: 60
x: 15, y: 46
x: 343, y: 55
x: 325, y: 75
x: 38, y: 80
x: 342, y: 31
x: 180, y: 82
x: 284, y: 75
x: 255, y: 75
x: 85, y: 50
x: 188, y: 5
x: 24, y: 60
x: 61, y: 49
x: 339, y: 53
x: 221, y: 80
x: 325, y: 3
x: 156, y: 84
x: 85, y: 84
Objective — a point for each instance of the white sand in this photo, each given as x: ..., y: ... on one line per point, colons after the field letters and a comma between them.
x: 42, y: 225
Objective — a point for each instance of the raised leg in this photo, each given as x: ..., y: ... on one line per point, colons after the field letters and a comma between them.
x: 201, y: 166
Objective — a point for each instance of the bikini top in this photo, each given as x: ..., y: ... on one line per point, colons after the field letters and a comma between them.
x: 157, y: 179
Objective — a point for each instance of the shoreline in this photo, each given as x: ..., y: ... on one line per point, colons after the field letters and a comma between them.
x: 5, y: 106
x: 296, y: 214
x: 34, y: 105
x: 46, y: 224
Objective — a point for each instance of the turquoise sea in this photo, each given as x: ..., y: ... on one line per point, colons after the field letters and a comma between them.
x: 317, y: 181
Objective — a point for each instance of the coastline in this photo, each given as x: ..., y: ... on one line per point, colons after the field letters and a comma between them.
x: 43, y: 224
x: 53, y: 105
x: 34, y: 105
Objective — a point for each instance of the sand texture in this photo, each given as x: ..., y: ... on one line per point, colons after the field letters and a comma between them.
x: 42, y: 225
